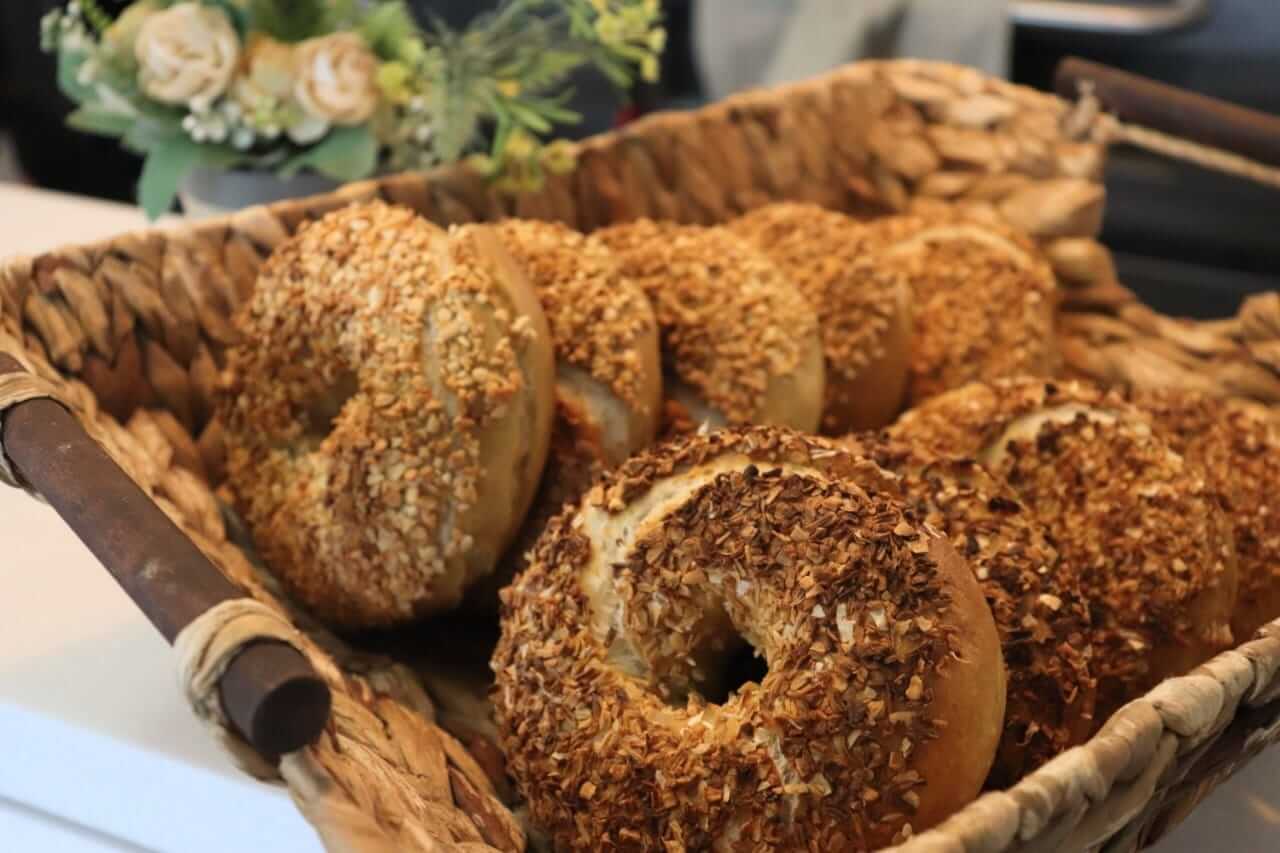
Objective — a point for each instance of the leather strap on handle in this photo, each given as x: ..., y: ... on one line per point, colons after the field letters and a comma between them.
x: 1196, y: 118
x: 268, y: 690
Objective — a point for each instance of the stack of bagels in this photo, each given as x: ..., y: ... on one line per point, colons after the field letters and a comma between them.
x: 836, y: 447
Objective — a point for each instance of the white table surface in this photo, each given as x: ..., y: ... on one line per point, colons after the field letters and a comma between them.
x: 98, y: 751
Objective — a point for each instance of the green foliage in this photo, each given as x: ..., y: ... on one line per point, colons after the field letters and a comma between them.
x: 93, y: 13
x: 94, y: 119
x: 346, y: 154
x: 163, y: 170
x: 387, y: 27
x: 235, y: 10
x: 441, y: 91
x: 289, y: 20
x: 69, y: 64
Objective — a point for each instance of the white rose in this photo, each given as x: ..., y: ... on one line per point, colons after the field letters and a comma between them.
x: 337, y: 79
x: 187, y: 54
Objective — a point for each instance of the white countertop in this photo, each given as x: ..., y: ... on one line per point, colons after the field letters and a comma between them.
x: 99, y: 752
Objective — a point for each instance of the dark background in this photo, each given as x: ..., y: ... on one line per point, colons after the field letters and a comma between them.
x: 1190, y: 242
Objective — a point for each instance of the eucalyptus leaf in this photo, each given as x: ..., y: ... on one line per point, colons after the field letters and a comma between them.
x: 162, y: 172
x: 94, y: 119
x: 346, y: 154
x: 69, y: 62
x: 147, y: 134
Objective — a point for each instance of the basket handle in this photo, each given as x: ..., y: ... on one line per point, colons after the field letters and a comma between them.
x: 1196, y: 118
x: 270, y: 692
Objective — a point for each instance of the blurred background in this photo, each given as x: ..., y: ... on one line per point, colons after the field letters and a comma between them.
x: 1189, y: 241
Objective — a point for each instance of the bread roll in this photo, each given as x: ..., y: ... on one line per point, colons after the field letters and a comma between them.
x: 740, y: 344
x: 608, y: 373
x: 1240, y: 454
x: 884, y: 692
x: 388, y: 412
x: 1041, y: 613
x: 1135, y: 521
x: 863, y: 307
x: 985, y: 301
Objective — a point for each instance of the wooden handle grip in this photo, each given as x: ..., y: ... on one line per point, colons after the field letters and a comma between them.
x: 270, y: 692
x: 1198, y: 118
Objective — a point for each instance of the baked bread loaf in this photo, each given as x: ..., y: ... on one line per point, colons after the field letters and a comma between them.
x: 388, y: 413
x: 1040, y: 612
x: 740, y: 344
x: 1240, y: 454
x: 985, y: 300
x: 1135, y: 521
x: 863, y: 308
x: 883, y: 700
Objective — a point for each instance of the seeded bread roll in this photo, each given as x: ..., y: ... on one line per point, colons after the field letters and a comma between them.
x: 608, y: 372
x: 863, y: 307
x: 1134, y: 520
x: 1240, y: 453
x: 1041, y: 613
x: 740, y: 344
x: 388, y: 414
x: 882, y: 704
x: 985, y: 301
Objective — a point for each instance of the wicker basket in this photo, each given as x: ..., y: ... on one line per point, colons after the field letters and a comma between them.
x: 130, y: 334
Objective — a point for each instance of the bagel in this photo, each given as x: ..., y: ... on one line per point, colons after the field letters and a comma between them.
x: 882, y: 704
x: 985, y: 300
x: 608, y: 372
x: 1130, y: 517
x: 1240, y: 453
x: 388, y: 412
x: 864, y: 309
x: 1040, y: 611
x: 740, y: 344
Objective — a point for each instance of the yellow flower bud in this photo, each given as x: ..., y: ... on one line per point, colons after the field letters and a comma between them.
x: 649, y: 69
x: 609, y: 29
x: 393, y: 80
x: 520, y: 145
x: 509, y: 88
x: 560, y: 157
x: 481, y: 163
x: 658, y: 40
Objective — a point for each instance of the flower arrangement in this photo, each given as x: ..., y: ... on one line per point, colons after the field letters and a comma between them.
x: 344, y: 88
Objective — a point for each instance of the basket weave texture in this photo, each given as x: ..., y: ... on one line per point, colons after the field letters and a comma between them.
x: 130, y: 334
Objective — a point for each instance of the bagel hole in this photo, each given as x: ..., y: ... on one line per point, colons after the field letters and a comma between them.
x: 323, y: 409
x: 738, y: 666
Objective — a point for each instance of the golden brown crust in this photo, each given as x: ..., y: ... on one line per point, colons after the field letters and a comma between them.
x: 388, y: 413
x: 884, y: 698
x: 1040, y: 611
x: 1240, y: 453
x: 740, y: 342
x: 1136, y: 523
x: 985, y: 301
x: 863, y: 307
x: 608, y: 372
x: 602, y: 326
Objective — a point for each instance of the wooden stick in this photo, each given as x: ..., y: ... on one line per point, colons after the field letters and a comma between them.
x: 1198, y: 118
x: 270, y: 692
